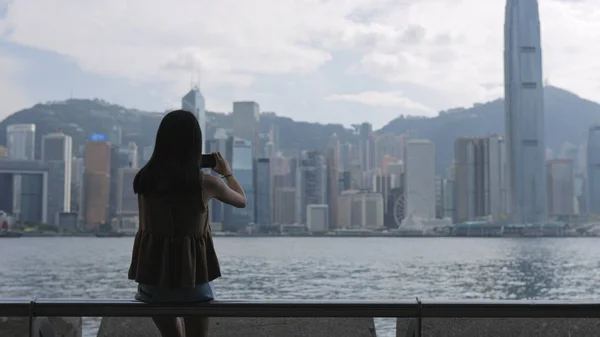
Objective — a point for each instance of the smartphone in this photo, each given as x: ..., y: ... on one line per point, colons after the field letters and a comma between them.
x: 208, y: 161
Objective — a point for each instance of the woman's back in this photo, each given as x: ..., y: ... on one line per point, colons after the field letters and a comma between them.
x: 173, y: 247
x: 174, y: 259
x: 173, y: 215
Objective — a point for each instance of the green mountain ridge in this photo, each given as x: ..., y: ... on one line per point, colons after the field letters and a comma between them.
x: 567, y: 119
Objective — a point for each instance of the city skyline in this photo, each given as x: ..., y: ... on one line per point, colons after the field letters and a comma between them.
x: 360, y: 55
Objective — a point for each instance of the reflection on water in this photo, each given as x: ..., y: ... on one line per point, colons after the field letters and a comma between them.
x: 322, y: 268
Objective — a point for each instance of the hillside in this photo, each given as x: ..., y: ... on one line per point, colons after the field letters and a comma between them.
x: 81, y: 117
x: 567, y: 119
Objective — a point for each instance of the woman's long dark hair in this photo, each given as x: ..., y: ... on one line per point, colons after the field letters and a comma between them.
x: 174, y: 167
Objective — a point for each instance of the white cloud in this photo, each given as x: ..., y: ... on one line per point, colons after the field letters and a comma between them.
x: 13, y: 97
x: 396, y: 99
x: 444, y: 53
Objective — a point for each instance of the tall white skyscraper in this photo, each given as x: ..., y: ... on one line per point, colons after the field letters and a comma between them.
x: 21, y: 146
x: 57, y: 152
x: 524, y: 112
x: 21, y: 141
x: 194, y: 102
x: 419, y: 179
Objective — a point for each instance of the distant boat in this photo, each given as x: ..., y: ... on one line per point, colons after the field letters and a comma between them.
x: 109, y: 234
x: 10, y: 235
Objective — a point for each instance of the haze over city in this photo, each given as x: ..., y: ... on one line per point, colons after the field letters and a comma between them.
x: 325, y: 61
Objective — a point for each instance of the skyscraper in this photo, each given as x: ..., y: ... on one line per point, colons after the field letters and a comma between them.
x: 57, y: 152
x: 593, y: 170
x: 21, y: 141
x: 561, y: 188
x: 97, y: 183
x: 479, y: 189
x: 262, y: 190
x: 219, y: 144
x: 239, y: 156
x: 21, y: 146
x: 366, y: 144
x: 194, y: 102
x: 524, y: 112
x: 311, y: 186
x: 419, y: 179
x: 332, y: 180
x: 246, y: 117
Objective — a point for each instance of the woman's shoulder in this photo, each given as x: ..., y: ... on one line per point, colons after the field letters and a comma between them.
x: 209, y: 180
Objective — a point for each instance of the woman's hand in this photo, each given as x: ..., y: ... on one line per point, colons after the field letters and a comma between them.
x: 222, y: 167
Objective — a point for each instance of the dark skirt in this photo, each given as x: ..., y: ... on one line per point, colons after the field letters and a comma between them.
x: 201, y: 293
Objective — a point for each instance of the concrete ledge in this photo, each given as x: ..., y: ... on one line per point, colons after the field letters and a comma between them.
x: 249, y: 327
x: 504, y: 327
x: 43, y: 327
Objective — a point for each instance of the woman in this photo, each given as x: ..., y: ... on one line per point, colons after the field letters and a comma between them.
x: 173, y: 258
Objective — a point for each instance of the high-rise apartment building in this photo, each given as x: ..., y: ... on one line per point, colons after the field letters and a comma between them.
x: 285, y: 212
x: 419, y: 179
x: 311, y: 182
x: 524, y: 112
x: 97, y: 183
x: 127, y: 201
x: 383, y: 184
x: 361, y: 210
x: 332, y: 181
x: 262, y: 188
x: 561, y: 196
x: 57, y: 152
x: 346, y: 156
x: 366, y: 147
x: 480, y: 191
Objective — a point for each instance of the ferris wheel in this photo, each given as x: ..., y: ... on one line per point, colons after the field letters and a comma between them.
x: 399, y: 209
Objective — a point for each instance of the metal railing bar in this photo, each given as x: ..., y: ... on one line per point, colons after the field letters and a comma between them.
x: 419, y: 328
x: 419, y: 308
x: 513, y: 309
x: 31, y: 315
x: 17, y: 307
x: 130, y: 308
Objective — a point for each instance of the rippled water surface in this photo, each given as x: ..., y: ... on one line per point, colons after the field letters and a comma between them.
x: 321, y: 268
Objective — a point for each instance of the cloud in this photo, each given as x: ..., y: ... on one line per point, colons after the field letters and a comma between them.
x: 13, y: 97
x: 157, y: 40
x: 461, y: 48
x: 444, y: 53
x: 396, y: 99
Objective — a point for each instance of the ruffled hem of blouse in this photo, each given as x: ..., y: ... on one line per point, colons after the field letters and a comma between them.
x: 173, y: 262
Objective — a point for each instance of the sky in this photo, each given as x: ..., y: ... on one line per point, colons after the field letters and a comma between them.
x: 328, y: 61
